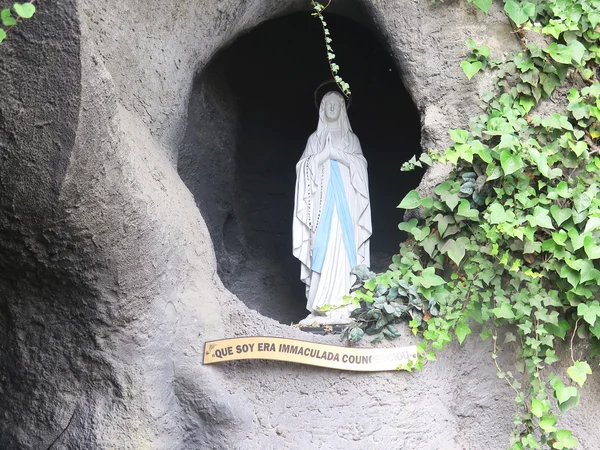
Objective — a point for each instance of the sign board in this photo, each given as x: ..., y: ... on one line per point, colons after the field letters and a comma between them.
x: 303, y: 352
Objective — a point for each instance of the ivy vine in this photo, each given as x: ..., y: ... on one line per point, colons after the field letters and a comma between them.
x: 333, y: 66
x: 20, y: 11
x: 511, y: 239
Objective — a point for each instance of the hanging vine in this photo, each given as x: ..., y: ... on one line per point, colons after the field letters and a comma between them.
x: 333, y: 66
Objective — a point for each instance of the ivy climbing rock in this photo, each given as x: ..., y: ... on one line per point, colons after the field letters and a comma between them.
x: 108, y: 275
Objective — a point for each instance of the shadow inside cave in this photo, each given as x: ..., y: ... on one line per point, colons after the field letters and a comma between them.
x: 250, y: 114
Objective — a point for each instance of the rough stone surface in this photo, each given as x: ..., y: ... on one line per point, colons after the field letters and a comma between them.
x: 108, y: 275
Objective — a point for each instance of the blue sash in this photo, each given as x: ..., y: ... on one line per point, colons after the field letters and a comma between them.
x: 336, y: 197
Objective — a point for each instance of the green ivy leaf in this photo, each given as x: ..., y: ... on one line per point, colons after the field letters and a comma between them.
x: 559, y: 330
x: 588, y: 271
x: 504, y: 311
x: 462, y: 331
x: 579, y: 372
x: 371, y: 284
x: 510, y: 162
x: 529, y: 9
x: 562, y: 189
x: 567, y: 396
x: 498, y: 214
x: 451, y: 200
x: 538, y: 407
x: 411, y: 201
x: 558, y: 122
x: 582, y: 202
x: 551, y: 357
x: 420, y: 233
x: 516, y: 12
x: 560, y: 237
x: 470, y: 69
x: 560, y: 53
x: 464, y: 209
x: 356, y: 334
x: 430, y: 244
x: 563, y: 440
x: 529, y: 441
x: 592, y: 224
x: 578, y: 147
x: 493, y: 172
x: 589, y: 311
x: 566, y: 393
x: 540, y: 218
x: 527, y: 103
x: 366, y: 297
x: 443, y: 222
x: 429, y: 278
x: 484, y: 50
x: 483, y: 5
x: 459, y: 136
x: 572, y: 276
x: 24, y: 10
x: 592, y: 250
x: 559, y: 214
x: 577, y: 50
x: 7, y: 19
x: 554, y: 29
x: 455, y: 249
x: 532, y: 247
x: 412, y: 223
x: 577, y: 239
x: 427, y: 203
x: 547, y: 424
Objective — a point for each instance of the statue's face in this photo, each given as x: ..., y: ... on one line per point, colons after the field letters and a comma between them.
x: 332, y: 109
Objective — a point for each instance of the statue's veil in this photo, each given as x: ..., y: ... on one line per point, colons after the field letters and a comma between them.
x: 343, y: 123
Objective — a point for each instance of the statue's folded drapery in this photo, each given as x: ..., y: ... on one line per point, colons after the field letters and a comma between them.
x: 332, y: 214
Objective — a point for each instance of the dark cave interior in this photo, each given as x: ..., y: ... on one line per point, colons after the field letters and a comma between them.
x: 251, y: 111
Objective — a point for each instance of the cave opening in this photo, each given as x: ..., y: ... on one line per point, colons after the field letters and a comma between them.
x: 250, y: 114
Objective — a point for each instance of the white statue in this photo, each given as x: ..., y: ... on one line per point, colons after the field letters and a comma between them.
x: 332, y: 213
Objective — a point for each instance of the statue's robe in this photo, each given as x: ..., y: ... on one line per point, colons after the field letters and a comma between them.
x: 332, y: 217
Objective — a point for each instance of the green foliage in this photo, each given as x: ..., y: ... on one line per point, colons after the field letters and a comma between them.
x: 385, y: 299
x: 511, y: 240
x: 477, y: 61
x: 520, y: 12
x: 21, y: 11
x: 24, y: 10
x: 484, y: 5
x: 335, y: 69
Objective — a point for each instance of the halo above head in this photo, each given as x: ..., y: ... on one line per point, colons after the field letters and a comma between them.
x: 326, y: 82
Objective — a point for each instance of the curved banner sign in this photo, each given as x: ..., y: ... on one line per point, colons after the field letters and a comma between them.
x: 303, y: 352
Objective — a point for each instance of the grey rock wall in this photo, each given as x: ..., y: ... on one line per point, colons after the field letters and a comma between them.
x: 108, y: 280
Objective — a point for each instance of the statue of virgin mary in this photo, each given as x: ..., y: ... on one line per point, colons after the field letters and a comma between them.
x: 332, y: 213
